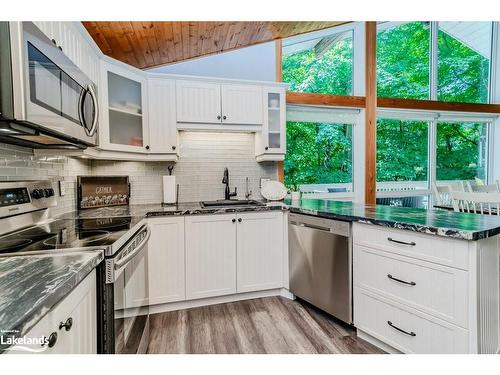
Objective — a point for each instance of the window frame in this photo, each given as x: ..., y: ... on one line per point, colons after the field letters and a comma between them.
x: 357, y: 155
x: 433, y: 118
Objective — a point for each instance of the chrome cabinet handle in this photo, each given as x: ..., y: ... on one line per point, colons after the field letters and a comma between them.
x: 412, y: 334
x: 401, y: 242
x: 412, y: 283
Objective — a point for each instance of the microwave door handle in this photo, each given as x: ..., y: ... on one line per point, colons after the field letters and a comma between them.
x: 93, y: 95
x: 81, y: 110
x: 122, y: 262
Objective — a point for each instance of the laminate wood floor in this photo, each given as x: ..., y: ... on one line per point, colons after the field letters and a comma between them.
x: 265, y: 325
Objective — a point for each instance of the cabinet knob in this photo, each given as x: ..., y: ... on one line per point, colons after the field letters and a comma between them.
x: 59, y: 48
x: 234, y: 220
x: 174, y: 147
x: 147, y: 147
x: 66, y: 325
x: 52, y: 340
x: 224, y: 117
x: 54, y: 42
x: 239, y: 220
x: 218, y: 117
x: 266, y: 148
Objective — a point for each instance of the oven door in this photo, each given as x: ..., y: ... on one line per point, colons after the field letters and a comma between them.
x: 58, y: 95
x: 131, y: 296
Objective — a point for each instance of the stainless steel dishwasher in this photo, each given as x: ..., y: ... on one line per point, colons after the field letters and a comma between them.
x: 321, y: 263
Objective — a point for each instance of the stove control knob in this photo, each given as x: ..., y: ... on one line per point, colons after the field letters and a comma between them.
x: 37, y: 194
x: 46, y: 193
x: 51, y: 192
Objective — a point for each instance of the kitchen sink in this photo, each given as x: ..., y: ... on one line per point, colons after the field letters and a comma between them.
x: 230, y: 203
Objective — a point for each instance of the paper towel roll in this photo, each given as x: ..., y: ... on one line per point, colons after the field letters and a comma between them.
x: 169, y: 189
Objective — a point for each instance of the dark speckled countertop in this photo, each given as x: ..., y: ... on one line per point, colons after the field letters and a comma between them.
x: 443, y: 223
x: 31, y: 285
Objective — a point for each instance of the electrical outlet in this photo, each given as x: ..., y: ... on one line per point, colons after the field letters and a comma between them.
x: 62, y: 188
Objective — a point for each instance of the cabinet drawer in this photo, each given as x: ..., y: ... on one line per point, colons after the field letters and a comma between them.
x: 406, y: 329
x: 435, y: 289
x: 446, y: 251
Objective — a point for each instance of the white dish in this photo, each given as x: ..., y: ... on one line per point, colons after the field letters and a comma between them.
x: 273, y: 190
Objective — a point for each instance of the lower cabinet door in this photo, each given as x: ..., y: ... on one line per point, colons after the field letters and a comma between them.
x: 166, y: 260
x: 406, y: 329
x: 210, y: 255
x: 259, y: 251
x: 70, y: 327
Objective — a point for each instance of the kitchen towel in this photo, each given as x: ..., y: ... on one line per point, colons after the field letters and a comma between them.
x: 169, y: 190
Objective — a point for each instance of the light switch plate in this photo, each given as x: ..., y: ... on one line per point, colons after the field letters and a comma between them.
x: 262, y: 180
x: 62, y: 188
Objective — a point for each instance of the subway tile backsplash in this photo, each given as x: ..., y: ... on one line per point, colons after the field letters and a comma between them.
x: 199, y: 170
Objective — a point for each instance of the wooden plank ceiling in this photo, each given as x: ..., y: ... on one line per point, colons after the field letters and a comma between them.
x: 149, y: 44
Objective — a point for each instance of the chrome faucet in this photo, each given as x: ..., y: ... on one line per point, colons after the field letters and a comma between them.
x: 225, y: 180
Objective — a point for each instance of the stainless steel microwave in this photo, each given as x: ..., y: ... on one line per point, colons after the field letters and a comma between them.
x: 46, y: 101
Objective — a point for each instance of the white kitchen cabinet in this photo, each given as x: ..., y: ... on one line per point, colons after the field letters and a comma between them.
x: 216, y: 103
x: 123, y: 123
x: 259, y: 251
x: 198, y: 102
x: 422, y: 293
x: 210, y: 255
x: 163, y: 135
x: 79, y: 312
x: 241, y: 104
x: 270, y: 142
x: 166, y: 260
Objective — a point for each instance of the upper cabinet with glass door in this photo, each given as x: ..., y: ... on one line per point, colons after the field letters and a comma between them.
x: 270, y: 142
x: 124, y: 99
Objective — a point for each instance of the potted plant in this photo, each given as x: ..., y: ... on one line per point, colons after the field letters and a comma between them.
x: 294, y: 192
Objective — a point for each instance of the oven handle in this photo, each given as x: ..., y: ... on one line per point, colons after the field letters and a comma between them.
x: 122, y: 262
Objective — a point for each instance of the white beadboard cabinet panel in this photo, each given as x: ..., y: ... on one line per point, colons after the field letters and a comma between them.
x: 446, y: 251
x: 424, y: 333
x: 259, y: 251
x: 198, y: 102
x: 210, y: 255
x: 80, y: 306
x: 163, y: 136
x: 166, y: 260
x: 438, y: 290
x: 242, y: 104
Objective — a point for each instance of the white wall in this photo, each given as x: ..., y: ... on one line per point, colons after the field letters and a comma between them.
x: 252, y: 63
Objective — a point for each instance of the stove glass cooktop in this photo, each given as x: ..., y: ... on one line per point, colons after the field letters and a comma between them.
x: 67, y: 234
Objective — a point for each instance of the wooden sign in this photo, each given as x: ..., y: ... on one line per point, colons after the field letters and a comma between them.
x: 103, y: 191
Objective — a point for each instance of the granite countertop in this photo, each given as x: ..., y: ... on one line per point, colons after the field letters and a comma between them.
x: 150, y: 210
x: 443, y: 223
x: 31, y: 285
x: 436, y: 222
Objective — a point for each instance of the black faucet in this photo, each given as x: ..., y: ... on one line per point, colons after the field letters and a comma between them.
x: 225, y: 180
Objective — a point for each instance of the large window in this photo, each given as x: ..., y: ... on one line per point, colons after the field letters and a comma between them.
x: 320, y: 65
x: 458, y: 70
x: 403, y: 60
x: 462, y: 150
x: 464, y: 50
x: 402, y: 153
x: 319, y: 157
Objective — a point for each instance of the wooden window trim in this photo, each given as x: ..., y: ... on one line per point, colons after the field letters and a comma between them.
x: 300, y: 98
